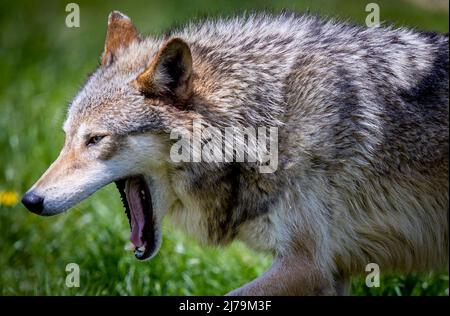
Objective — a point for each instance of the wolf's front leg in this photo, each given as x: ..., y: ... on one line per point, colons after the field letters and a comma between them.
x: 289, y: 276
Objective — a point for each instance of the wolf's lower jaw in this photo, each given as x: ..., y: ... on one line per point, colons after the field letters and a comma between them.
x: 137, y: 200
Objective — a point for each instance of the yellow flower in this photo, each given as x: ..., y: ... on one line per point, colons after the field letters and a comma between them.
x: 8, y: 198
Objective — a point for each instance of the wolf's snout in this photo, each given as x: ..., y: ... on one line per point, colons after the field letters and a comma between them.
x: 33, y: 202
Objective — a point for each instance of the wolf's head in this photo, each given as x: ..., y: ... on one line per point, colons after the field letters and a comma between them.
x: 114, y: 130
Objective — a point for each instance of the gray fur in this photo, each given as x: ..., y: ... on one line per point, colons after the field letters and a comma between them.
x: 363, y: 125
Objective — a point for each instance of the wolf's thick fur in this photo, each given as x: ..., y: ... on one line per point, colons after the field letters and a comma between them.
x: 363, y: 150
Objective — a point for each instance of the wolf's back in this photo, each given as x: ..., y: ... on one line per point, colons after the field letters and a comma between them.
x: 336, y: 90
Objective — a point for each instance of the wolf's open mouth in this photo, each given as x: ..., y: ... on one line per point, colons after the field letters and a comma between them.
x: 137, y: 201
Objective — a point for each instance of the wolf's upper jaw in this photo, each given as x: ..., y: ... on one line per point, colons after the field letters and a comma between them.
x: 137, y: 201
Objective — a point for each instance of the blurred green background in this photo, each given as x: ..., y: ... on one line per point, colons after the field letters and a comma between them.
x: 42, y: 64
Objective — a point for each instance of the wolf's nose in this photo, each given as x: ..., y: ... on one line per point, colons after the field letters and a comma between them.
x: 33, y: 202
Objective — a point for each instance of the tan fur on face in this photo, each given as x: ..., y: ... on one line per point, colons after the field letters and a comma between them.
x: 112, y: 147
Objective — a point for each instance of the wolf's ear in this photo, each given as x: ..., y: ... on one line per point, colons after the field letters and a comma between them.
x: 170, y: 73
x: 121, y: 33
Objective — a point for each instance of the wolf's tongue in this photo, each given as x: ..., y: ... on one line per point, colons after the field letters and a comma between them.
x: 137, y: 220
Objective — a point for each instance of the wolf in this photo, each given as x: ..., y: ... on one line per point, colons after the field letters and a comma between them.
x: 362, y: 120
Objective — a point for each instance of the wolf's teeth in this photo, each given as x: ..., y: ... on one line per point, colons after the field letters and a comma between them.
x: 139, y: 252
x: 141, y: 248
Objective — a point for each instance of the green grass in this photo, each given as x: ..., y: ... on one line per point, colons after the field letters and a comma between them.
x: 42, y: 65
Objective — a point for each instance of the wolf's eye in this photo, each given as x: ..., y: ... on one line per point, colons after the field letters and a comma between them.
x: 94, y: 140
